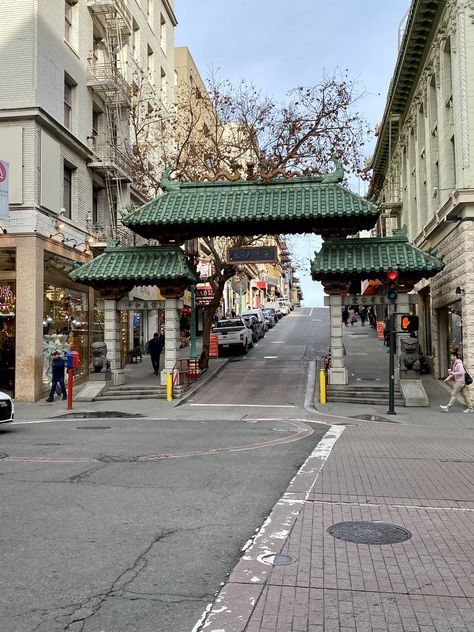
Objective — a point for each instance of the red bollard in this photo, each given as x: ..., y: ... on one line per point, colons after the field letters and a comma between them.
x: 70, y: 384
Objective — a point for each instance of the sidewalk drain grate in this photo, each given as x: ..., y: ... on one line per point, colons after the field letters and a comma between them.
x: 374, y: 418
x: 93, y: 427
x: 98, y: 415
x: 278, y: 559
x: 369, y: 532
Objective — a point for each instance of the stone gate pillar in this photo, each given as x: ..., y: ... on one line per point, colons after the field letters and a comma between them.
x: 112, y: 340
x: 337, y: 372
x: 171, y: 337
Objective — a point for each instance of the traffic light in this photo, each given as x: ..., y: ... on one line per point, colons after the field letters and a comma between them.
x: 392, y: 285
x: 409, y: 322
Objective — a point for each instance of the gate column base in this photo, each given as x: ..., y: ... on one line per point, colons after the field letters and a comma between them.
x: 338, y: 376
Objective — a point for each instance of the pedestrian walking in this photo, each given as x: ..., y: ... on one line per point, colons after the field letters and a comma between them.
x: 352, y: 316
x: 458, y: 374
x: 57, y: 367
x: 363, y: 316
x: 345, y: 315
x: 155, y: 347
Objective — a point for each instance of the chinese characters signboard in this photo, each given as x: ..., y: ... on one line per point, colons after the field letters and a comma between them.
x: 256, y: 254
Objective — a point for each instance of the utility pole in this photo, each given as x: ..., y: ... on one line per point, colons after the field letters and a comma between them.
x: 392, y: 350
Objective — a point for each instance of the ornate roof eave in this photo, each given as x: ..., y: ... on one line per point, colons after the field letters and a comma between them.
x: 342, y: 261
x: 318, y: 204
x: 422, y: 22
x: 118, y: 269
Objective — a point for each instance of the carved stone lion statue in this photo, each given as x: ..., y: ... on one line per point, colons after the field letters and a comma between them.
x: 410, y: 358
x: 99, y: 362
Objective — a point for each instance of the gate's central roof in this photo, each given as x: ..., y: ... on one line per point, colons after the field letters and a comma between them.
x: 315, y: 204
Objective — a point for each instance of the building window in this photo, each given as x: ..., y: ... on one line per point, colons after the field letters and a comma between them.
x: 68, y: 94
x: 150, y: 65
x: 163, y: 33
x: 68, y: 20
x: 95, y: 206
x: 163, y: 85
x: 67, y: 191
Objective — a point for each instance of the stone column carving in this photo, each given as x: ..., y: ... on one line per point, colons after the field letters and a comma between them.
x: 171, y: 337
x: 112, y: 340
x: 337, y: 372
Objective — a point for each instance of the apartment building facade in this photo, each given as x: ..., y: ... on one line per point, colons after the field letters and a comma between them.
x: 423, y: 170
x: 67, y: 75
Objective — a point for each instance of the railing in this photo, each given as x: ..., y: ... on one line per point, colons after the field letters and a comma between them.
x: 108, y: 78
x: 185, y: 370
x: 109, y: 157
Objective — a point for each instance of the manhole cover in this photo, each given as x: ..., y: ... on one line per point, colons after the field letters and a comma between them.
x: 369, y: 532
x: 279, y: 559
x: 374, y: 418
x: 93, y: 427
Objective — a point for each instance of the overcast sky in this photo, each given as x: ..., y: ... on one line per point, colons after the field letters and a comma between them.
x: 280, y: 45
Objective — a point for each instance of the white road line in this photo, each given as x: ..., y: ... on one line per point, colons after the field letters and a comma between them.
x: 270, y: 357
x: 248, y: 405
x: 278, y: 342
x: 311, y: 312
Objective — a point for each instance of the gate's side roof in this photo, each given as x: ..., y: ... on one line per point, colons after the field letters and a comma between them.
x: 144, y: 265
x: 371, y: 258
x: 318, y: 204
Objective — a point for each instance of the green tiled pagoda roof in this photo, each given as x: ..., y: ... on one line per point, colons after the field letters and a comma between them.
x: 372, y: 257
x: 317, y: 204
x: 142, y: 265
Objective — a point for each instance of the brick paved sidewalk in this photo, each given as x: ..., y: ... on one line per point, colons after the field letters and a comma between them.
x: 413, y: 477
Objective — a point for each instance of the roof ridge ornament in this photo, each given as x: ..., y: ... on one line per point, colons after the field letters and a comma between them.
x: 400, y: 232
x: 334, y: 176
x: 166, y: 184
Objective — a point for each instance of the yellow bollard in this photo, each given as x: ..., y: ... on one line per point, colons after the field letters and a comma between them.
x: 169, y: 386
x: 322, y: 386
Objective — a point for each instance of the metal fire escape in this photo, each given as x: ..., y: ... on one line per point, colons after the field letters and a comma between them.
x: 106, y: 76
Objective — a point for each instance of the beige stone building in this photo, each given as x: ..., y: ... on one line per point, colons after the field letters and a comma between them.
x: 423, y: 167
x: 66, y: 75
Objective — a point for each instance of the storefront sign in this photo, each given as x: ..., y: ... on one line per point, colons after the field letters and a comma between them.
x: 262, y: 285
x: 4, y: 208
x: 240, y: 284
x: 254, y: 254
x: 136, y: 306
x: 204, y: 269
x: 204, y: 294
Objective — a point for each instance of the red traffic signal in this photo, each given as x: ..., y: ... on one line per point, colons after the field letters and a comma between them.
x: 392, y: 285
x: 409, y: 322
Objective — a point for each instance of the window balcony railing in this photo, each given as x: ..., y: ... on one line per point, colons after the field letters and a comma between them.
x: 109, y: 158
x: 112, y: 14
x: 106, y: 79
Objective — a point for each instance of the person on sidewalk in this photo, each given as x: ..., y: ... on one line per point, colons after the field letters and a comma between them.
x: 155, y: 347
x: 57, y: 365
x: 363, y: 315
x: 457, y: 373
x: 352, y: 316
x: 345, y: 315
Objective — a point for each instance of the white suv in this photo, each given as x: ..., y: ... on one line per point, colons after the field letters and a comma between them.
x: 7, y: 410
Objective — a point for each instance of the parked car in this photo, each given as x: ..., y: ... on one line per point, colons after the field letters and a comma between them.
x: 233, y: 333
x: 252, y: 323
x: 261, y: 323
x: 270, y: 316
x: 275, y: 306
x: 284, y: 307
x: 7, y: 409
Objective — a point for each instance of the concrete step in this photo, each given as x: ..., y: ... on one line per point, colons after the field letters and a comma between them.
x: 131, y: 387
x: 363, y: 394
x: 340, y: 399
x: 116, y: 398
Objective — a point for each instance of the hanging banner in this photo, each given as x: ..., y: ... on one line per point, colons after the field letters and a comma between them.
x: 204, y: 269
x: 4, y: 208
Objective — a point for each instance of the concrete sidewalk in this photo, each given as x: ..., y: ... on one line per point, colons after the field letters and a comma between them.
x: 411, y: 476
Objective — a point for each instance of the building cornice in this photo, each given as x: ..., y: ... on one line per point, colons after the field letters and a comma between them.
x: 170, y: 13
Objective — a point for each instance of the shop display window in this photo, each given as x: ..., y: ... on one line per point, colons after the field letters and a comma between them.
x: 65, y: 327
x: 7, y: 335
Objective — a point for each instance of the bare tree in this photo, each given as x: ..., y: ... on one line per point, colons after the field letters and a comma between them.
x: 218, y: 132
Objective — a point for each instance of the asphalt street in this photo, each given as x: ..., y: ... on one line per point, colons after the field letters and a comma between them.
x: 120, y: 525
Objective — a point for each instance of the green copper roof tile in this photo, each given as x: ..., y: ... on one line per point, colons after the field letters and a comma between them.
x: 372, y: 257
x: 142, y: 265
x: 249, y: 207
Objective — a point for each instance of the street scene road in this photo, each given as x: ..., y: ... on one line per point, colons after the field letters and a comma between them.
x: 133, y: 524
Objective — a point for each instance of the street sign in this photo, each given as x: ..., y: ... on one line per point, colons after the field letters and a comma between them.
x: 4, y: 208
x: 204, y: 294
x: 254, y: 254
